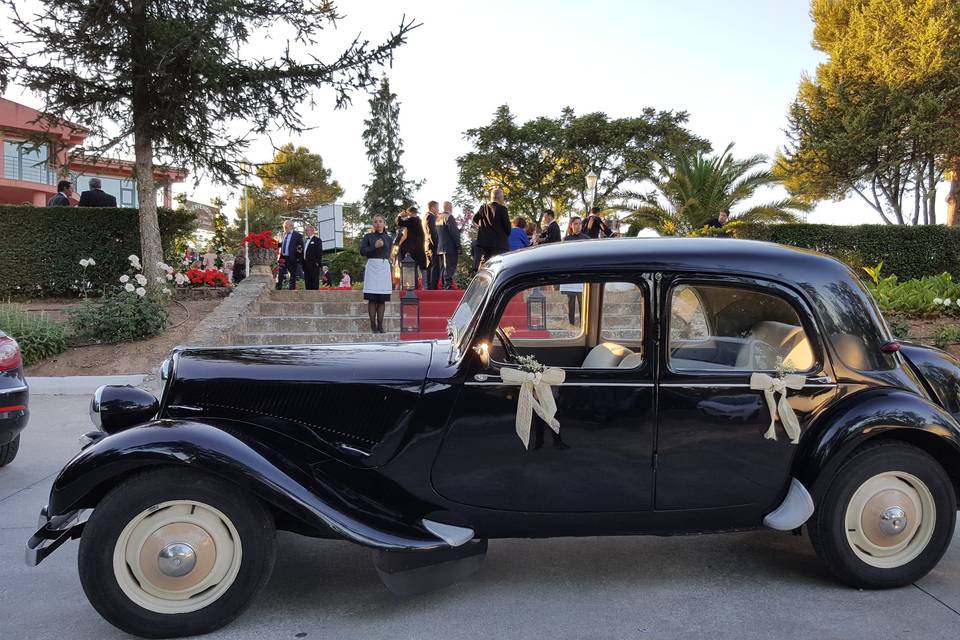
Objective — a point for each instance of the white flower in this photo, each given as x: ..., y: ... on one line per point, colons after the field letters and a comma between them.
x: 133, y: 258
x: 124, y: 279
x: 180, y: 278
x: 166, y: 290
x: 91, y: 262
x: 169, y: 277
x: 128, y: 287
x: 84, y: 262
x: 141, y: 279
x: 946, y: 302
x: 159, y: 279
x: 141, y: 291
x: 938, y: 301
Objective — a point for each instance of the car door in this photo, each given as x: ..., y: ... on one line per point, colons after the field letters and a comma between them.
x: 602, y: 459
x: 711, y: 450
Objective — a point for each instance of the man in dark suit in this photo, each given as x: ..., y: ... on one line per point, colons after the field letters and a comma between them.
x: 448, y: 245
x: 312, y: 257
x: 291, y: 255
x: 62, y: 199
x: 551, y: 232
x: 594, y: 226
x: 434, y: 266
x: 96, y: 197
x: 493, y: 227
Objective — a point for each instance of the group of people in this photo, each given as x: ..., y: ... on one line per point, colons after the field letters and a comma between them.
x: 301, y: 254
x: 93, y: 197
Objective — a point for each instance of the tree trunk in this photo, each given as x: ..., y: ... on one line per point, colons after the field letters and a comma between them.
x: 150, y: 250
x: 953, y: 213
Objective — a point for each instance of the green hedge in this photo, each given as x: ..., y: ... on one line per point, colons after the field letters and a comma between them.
x: 907, y: 252
x: 41, y: 247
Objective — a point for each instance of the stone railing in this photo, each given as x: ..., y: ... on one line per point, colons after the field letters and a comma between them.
x: 222, y: 325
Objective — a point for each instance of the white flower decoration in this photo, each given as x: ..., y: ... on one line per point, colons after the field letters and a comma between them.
x: 128, y: 287
x: 141, y: 291
x: 141, y: 279
x: 938, y: 301
x: 124, y: 279
x: 84, y: 263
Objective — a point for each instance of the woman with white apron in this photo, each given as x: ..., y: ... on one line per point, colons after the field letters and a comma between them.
x: 377, y: 278
x: 574, y: 291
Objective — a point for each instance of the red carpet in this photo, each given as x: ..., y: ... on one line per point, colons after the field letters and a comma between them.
x: 436, y: 307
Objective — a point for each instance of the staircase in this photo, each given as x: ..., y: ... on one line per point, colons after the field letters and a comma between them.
x: 335, y: 316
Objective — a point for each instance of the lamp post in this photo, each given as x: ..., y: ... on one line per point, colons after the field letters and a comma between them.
x: 591, y: 189
x: 409, y: 302
x: 245, y: 169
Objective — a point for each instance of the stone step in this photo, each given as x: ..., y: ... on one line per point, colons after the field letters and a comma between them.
x: 316, y: 324
x: 253, y: 338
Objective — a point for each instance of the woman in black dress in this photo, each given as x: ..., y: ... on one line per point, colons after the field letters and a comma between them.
x: 410, y: 226
x: 377, y: 278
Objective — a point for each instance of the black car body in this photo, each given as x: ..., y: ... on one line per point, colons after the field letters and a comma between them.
x: 14, y: 399
x: 412, y: 449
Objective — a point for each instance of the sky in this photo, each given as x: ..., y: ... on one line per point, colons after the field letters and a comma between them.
x: 734, y: 66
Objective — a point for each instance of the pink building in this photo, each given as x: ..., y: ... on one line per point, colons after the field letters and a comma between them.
x: 29, y: 173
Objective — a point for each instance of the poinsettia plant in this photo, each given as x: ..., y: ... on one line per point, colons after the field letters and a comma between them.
x: 262, y: 240
x: 208, y: 278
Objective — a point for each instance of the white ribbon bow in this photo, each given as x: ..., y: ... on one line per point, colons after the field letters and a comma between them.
x: 535, y: 395
x: 782, y: 409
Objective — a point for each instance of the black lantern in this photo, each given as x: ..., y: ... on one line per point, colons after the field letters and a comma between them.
x: 536, y: 311
x: 409, y: 312
x: 408, y: 273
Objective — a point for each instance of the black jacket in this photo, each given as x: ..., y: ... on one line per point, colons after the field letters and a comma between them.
x: 368, y: 245
x: 97, y: 198
x: 58, y: 200
x: 312, y: 250
x: 448, y: 235
x: 595, y: 227
x: 430, y: 233
x: 493, y: 226
x: 295, y: 248
x: 552, y: 234
x: 413, y: 244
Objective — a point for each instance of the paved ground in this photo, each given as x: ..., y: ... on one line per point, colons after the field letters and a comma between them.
x: 757, y: 585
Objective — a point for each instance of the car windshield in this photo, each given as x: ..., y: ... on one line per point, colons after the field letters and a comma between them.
x: 467, y: 309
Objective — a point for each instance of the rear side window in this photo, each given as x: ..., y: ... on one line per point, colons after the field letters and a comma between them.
x: 727, y: 328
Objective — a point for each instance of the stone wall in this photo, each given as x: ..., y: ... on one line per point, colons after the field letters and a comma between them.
x: 223, y: 324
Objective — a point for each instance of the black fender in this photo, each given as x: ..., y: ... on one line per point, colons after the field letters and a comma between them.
x: 888, y: 413
x: 317, y: 495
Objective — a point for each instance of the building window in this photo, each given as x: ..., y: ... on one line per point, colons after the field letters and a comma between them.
x: 27, y: 162
x: 128, y: 193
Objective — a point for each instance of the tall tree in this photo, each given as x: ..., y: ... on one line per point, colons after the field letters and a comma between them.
x: 544, y: 162
x: 881, y: 117
x: 296, y: 178
x: 177, y: 79
x: 389, y: 188
x: 692, y: 188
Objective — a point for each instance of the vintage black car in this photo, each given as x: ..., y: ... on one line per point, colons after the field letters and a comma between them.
x: 675, y: 385
x: 14, y: 399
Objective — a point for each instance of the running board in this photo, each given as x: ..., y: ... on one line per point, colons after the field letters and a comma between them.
x: 795, y: 509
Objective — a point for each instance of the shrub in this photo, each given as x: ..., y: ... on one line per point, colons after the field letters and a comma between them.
x: 32, y: 268
x: 39, y: 336
x: 927, y: 296
x: 908, y: 252
x: 207, y: 278
x: 349, y: 260
x: 120, y: 316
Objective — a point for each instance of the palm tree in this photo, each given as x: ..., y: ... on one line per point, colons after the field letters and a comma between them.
x: 695, y: 187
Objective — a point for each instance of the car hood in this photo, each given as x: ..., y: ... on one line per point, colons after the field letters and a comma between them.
x: 340, y: 398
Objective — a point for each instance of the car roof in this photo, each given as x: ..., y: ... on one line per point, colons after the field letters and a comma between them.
x: 707, y: 255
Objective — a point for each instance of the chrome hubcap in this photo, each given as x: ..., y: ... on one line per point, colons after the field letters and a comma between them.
x: 893, y: 521
x: 176, y: 560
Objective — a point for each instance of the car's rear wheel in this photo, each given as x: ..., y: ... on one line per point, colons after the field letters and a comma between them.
x: 887, y: 517
x: 175, y: 553
x: 9, y: 451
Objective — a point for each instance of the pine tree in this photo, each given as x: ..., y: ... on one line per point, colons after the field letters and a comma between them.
x: 389, y: 190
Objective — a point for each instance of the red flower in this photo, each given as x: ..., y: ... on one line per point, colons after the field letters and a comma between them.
x: 262, y: 240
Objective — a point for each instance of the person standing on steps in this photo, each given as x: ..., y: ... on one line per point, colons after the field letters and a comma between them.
x: 377, y: 278
x: 291, y: 253
x: 431, y: 242
x: 448, y: 245
x: 409, y: 225
x: 312, y: 256
x: 493, y: 227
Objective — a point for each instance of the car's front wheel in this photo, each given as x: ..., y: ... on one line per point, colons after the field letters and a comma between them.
x: 9, y: 451
x: 173, y: 553
x: 887, y: 517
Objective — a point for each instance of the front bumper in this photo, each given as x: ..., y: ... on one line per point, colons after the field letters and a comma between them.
x: 53, y: 532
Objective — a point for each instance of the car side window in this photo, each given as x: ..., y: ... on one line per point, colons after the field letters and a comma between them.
x: 728, y: 328
x: 622, y: 315
x: 547, y: 312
